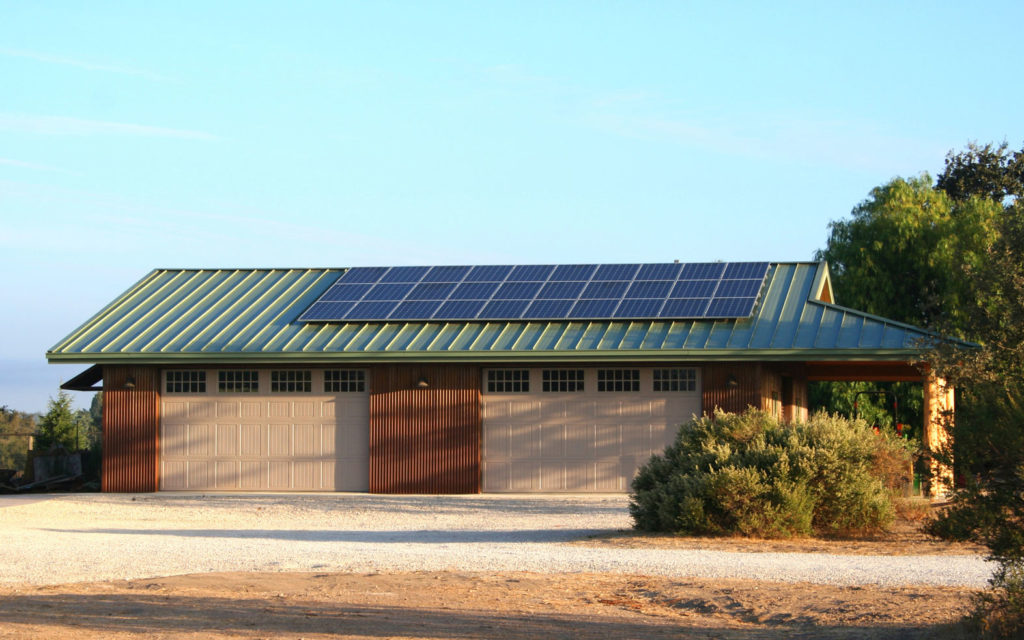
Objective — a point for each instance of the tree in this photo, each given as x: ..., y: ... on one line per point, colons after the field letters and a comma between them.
x: 15, y: 429
x: 902, y: 254
x: 58, y: 425
x: 988, y: 172
x: 988, y: 436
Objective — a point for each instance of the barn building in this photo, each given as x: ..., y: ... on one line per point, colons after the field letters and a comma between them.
x: 530, y: 378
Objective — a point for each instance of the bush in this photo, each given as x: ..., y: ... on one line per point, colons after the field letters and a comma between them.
x: 751, y: 475
x: 999, y: 612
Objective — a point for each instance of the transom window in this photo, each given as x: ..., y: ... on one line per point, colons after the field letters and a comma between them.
x: 185, y: 382
x: 344, y: 381
x: 291, y: 381
x: 675, y: 379
x: 618, y: 379
x: 562, y: 380
x: 508, y: 380
x: 238, y: 381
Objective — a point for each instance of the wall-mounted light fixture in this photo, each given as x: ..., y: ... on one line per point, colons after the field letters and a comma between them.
x: 731, y: 382
x: 129, y: 383
x: 422, y: 383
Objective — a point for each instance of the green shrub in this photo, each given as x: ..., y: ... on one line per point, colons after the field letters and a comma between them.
x: 999, y: 612
x: 751, y: 475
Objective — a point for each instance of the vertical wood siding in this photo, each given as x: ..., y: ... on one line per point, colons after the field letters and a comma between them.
x: 717, y: 393
x: 425, y: 440
x: 130, y: 429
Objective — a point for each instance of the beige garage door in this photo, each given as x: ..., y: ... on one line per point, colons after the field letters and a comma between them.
x: 579, y: 430
x: 264, y: 430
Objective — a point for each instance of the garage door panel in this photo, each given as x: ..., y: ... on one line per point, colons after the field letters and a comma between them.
x: 280, y: 476
x: 577, y: 410
x: 584, y: 441
x: 251, y: 474
x: 552, y: 440
x: 579, y: 475
x: 200, y: 474
x: 251, y: 409
x: 608, y: 442
x: 200, y: 440
x: 636, y: 440
x: 524, y: 411
x: 280, y: 441
x: 607, y: 476
x: 307, y: 440
x: 495, y: 476
x: 173, y: 476
x: 354, y: 438
x: 200, y: 411
x: 228, y: 410
x: 579, y: 441
x: 251, y: 441
x: 524, y: 476
x: 227, y: 440
x: 552, y: 475
x: 175, y: 411
x: 175, y: 440
x: 306, y: 475
x: 496, y: 440
x: 226, y: 474
x: 523, y: 441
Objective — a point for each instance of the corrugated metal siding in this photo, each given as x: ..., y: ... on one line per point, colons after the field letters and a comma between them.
x: 253, y: 312
x: 130, y: 429
x: 717, y: 393
x: 425, y: 440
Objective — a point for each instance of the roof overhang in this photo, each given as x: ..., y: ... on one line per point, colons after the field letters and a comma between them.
x: 631, y: 355
x: 86, y: 381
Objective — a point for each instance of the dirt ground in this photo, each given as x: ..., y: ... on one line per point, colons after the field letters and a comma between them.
x: 504, y: 605
x: 467, y: 605
x: 905, y: 538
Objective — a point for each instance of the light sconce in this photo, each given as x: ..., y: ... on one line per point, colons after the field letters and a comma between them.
x: 129, y: 383
x: 731, y: 382
x: 422, y: 383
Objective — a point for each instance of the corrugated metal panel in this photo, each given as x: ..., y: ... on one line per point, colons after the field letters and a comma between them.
x: 130, y: 429
x: 718, y: 393
x: 425, y: 440
x: 213, y: 313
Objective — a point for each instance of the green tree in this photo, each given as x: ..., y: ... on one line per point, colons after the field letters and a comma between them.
x: 989, y: 171
x: 988, y: 435
x: 58, y: 425
x: 902, y: 253
x: 15, y: 429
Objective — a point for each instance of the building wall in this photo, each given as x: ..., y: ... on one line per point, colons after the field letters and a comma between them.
x: 425, y: 440
x: 131, y: 424
x: 746, y: 390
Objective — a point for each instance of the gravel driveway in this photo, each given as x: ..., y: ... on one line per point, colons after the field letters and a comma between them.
x: 87, y: 537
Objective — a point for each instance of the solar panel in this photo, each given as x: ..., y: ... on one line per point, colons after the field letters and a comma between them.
x: 542, y: 292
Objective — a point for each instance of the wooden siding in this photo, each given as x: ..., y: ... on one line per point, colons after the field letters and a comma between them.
x: 718, y: 394
x: 130, y: 429
x: 425, y: 440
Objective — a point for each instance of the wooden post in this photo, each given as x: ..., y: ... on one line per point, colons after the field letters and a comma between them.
x: 938, y: 417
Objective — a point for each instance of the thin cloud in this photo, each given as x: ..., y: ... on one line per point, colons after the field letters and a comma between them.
x: 80, y: 64
x: 9, y: 162
x: 66, y: 126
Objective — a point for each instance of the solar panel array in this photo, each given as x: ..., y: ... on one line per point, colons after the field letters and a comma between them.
x: 542, y: 292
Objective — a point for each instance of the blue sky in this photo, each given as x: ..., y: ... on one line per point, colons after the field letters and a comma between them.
x: 142, y: 135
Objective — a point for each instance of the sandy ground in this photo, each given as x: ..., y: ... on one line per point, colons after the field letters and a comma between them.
x: 468, y: 605
x: 464, y: 604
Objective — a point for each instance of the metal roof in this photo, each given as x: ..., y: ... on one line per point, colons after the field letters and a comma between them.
x: 251, y: 315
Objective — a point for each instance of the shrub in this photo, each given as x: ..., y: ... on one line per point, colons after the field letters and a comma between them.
x: 751, y: 475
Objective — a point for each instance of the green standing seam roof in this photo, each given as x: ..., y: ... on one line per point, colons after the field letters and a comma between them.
x: 250, y: 315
